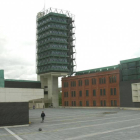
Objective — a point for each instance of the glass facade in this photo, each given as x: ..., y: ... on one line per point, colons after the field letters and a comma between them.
x: 55, y: 47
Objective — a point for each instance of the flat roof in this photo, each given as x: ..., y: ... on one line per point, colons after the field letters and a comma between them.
x: 16, y: 80
x: 98, y: 69
x: 130, y: 60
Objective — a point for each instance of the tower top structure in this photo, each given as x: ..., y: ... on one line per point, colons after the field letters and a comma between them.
x: 55, y: 10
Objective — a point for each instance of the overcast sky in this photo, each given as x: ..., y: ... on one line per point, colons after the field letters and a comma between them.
x: 107, y: 31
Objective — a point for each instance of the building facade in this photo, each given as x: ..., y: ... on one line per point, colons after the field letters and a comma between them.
x: 109, y: 86
x: 16, y: 96
x: 94, y: 89
x: 129, y: 76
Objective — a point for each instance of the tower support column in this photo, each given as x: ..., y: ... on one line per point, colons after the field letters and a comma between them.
x: 53, y: 89
x: 50, y: 80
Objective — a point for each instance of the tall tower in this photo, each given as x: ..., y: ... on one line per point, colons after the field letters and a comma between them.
x: 55, y: 50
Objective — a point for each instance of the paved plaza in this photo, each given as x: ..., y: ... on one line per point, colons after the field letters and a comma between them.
x: 78, y: 124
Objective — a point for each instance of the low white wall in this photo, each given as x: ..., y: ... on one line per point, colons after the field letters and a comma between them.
x: 20, y: 94
x: 135, y: 92
x: 37, y: 105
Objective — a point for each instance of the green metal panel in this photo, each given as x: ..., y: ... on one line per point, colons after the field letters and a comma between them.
x: 132, y: 65
x: 138, y: 70
x: 132, y: 71
x: 124, y: 66
x: 2, y: 78
x: 138, y: 63
x: 129, y: 72
x: 131, y: 77
x: 125, y: 72
x: 130, y: 68
x: 138, y: 76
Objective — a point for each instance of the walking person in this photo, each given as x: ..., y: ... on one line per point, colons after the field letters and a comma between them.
x: 42, y: 116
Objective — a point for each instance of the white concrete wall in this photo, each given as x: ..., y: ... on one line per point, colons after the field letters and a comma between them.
x: 51, y: 80
x: 38, y: 78
x: 55, y: 92
x: 20, y: 94
x: 135, y: 92
x: 53, y: 89
x: 44, y: 81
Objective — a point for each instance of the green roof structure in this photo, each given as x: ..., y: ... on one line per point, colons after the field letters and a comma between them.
x: 98, y: 70
x: 130, y: 60
x: 129, y: 69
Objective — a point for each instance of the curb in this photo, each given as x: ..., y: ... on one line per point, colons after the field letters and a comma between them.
x: 125, y: 108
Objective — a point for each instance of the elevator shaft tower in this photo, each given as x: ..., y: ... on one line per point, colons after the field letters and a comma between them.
x: 55, y: 48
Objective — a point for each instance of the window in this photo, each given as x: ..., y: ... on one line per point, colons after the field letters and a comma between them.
x: 115, y: 79
x: 94, y: 103
x: 73, y: 94
x: 115, y: 103
x: 86, y: 82
x: 94, y: 92
x: 80, y: 103
x: 93, y: 81
x: 80, y: 82
x: 86, y: 92
x: 73, y: 103
x: 65, y: 94
x: 104, y: 102
x: 73, y: 83
x: 114, y: 91
x: 66, y: 103
x: 102, y: 80
x: 87, y: 103
x: 111, y: 102
x: 80, y: 93
x: 101, y: 103
x: 112, y: 79
x: 111, y: 91
x: 101, y: 92
x: 65, y: 84
x: 104, y: 91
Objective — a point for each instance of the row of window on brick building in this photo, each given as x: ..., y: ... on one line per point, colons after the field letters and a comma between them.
x: 102, y: 92
x: 102, y: 80
x: 102, y: 103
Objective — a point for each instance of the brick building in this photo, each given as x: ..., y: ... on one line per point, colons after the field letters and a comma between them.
x: 96, y: 87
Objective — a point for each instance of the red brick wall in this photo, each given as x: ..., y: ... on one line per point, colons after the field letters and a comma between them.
x: 108, y: 97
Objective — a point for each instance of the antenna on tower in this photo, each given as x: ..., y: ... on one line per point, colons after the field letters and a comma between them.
x: 44, y: 5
